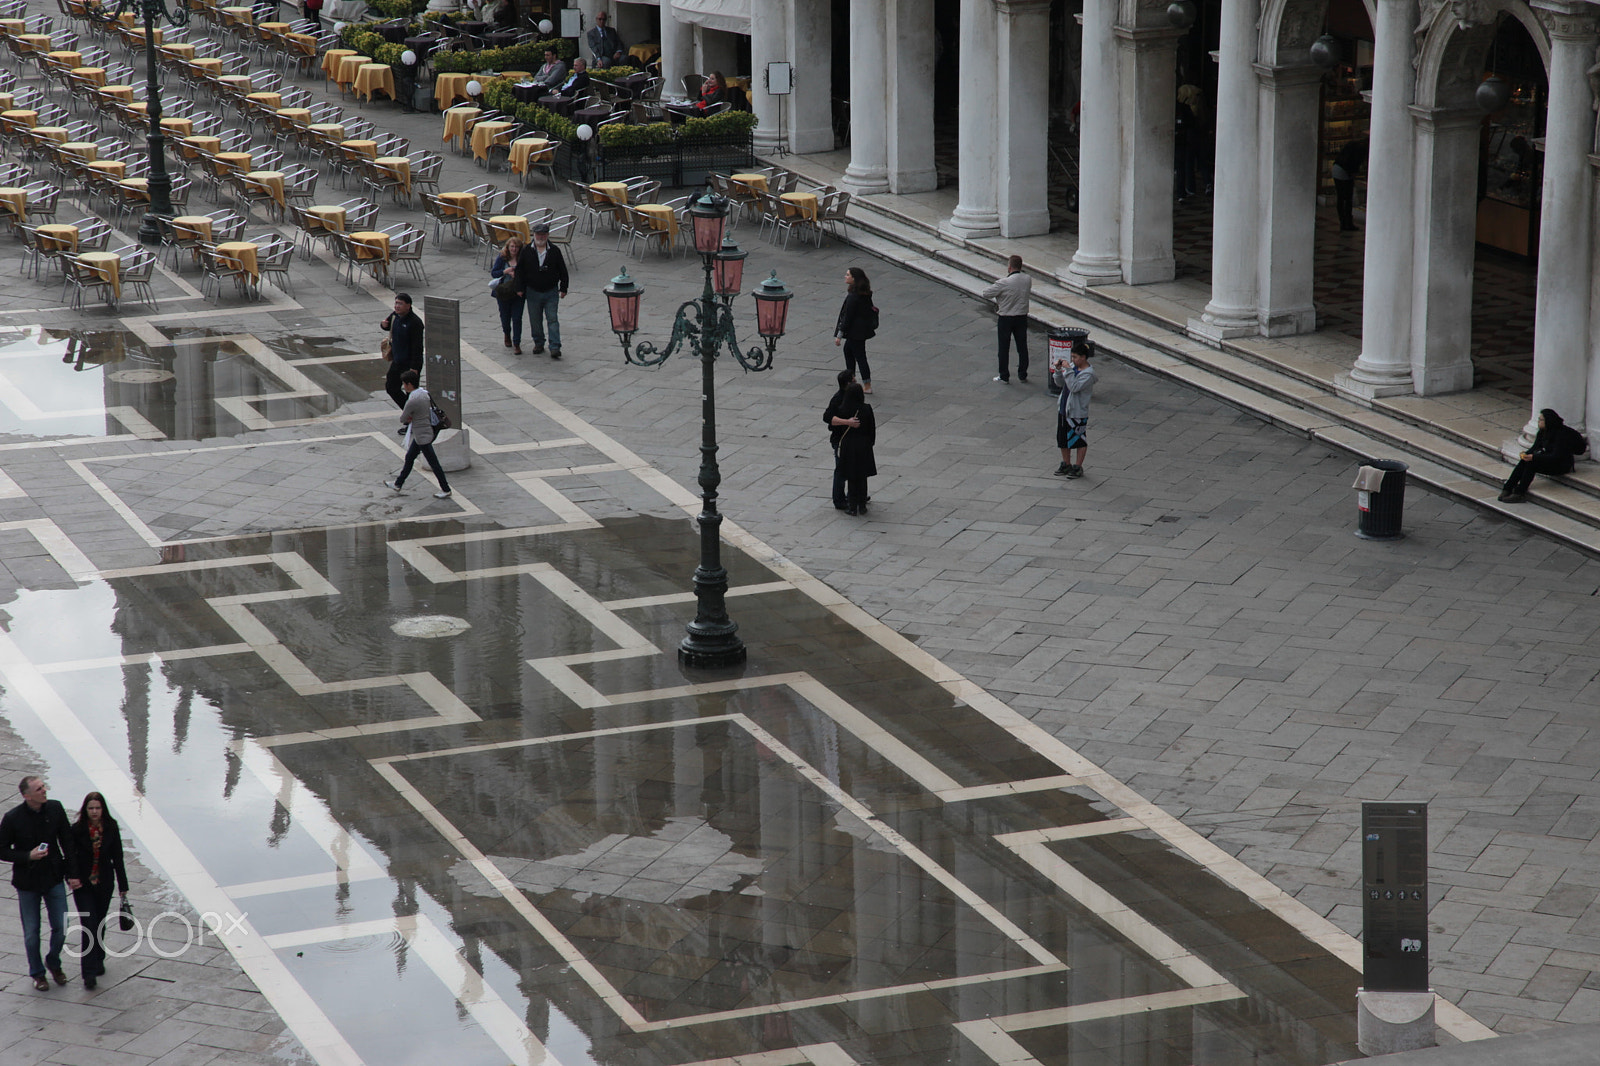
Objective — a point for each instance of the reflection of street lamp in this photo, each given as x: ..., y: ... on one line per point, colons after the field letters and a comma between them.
x: 712, y: 639
x: 158, y: 184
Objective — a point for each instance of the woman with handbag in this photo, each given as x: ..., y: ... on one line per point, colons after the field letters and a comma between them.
x: 98, y: 841
x: 512, y: 301
x: 853, y: 452
x: 856, y: 325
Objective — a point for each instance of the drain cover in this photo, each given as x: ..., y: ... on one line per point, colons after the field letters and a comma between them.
x: 140, y: 377
x: 430, y: 626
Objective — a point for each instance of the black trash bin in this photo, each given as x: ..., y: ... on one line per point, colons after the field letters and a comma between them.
x: 1379, y: 510
x: 1059, y: 353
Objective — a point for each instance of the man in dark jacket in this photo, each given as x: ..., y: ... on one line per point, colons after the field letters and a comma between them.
x: 605, y: 44
x: 836, y: 427
x: 404, y: 327
x: 542, y: 277
x: 36, y: 839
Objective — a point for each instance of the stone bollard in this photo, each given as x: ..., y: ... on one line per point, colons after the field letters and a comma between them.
x: 1387, y: 1022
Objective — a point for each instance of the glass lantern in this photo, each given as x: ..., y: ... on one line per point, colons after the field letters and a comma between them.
x: 623, y: 296
x: 727, y: 272
x: 708, y: 212
x: 772, y: 307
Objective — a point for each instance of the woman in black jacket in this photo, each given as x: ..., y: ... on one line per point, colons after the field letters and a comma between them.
x: 98, y: 843
x: 855, y: 325
x: 853, y: 450
x: 1553, y: 448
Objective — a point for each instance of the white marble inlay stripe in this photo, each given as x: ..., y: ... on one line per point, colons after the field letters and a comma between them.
x: 59, y: 546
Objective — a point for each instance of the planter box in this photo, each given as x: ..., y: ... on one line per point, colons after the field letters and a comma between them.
x: 685, y: 162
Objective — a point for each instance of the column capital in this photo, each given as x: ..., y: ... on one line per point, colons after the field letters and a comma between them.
x: 1021, y: 7
x: 1281, y: 77
x: 1444, y: 119
x: 1148, y: 36
x: 1566, y: 21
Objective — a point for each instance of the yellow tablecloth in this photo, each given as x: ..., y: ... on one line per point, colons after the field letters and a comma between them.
x: 642, y: 52
x: 239, y: 83
x: 209, y: 64
x: 34, y: 42
x: 273, y: 27
x: 348, y: 67
x: 329, y: 131
x: 106, y: 264
x: 365, y: 147
x: 135, y: 188
x: 235, y: 15
x: 20, y: 117
x: 191, y: 227
x: 179, y: 48
x: 448, y: 88
x: 529, y: 150
x: 371, y: 244
x: 203, y: 144
x: 123, y: 94
x: 13, y: 27
x: 14, y: 202
x: 58, y: 134
x: 374, y: 78
x: 331, y: 59
x: 400, y: 167
x: 754, y: 182
x: 303, y: 43
x: 458, y: 120
x: 294, y: 114
x: 58, y: 235
x: 459, y: 203
x: 270, y: 100
x: 7, y: 101
x: 70, y: 59
x: 661, y: 217
x: 231, y: 161
x: 272, y: 180
x: 514, y: 75
x: 87, y: 151
x: 115, y: 167
x: 615, y: 191
x: 485, y: 134
x: 180, y: 126
x: 136, y: 35
x: 331, y: 217
x: 503, y: 226
x: 95, y: 76
x: 805, y: 203
x: 243, y: 253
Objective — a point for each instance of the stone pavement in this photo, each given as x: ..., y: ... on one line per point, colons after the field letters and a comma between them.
x: 1194, y: 615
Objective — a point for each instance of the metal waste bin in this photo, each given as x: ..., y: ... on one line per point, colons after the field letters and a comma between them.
x: 1380, y: 499
x: 1059, y: 354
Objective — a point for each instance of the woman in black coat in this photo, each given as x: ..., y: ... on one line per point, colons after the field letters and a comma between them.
x: 853, y: 450
x: 1553, y: 448
x: 855, y: 325
x: 98, y: 842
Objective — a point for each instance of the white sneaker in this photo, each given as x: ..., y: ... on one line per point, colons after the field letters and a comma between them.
x: 998, y: 378
x: 445, y: 495
x: 388, y: 483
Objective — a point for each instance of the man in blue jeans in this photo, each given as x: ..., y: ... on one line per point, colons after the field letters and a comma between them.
x: 542, y: 273
x: 35, y: 839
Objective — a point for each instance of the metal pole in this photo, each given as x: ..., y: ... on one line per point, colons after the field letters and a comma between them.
x: 713, y: 638
x: 158, y: 184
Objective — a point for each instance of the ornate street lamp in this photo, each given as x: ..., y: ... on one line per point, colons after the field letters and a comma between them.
x: 707, y: 323
x: 159, y: 184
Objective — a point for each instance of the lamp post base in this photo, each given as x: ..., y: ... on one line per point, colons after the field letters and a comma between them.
x: 711, y: 648
x: 150, y: 229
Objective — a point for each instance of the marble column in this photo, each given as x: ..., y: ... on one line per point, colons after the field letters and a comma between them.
x: 1384, y: 366
x: 1236, y: 212
x: 1098, y: 260
x: 1561, y: 344
x: 868, y: 171
x: 977, y: 212
x: 811, y: 52
x: 1149, y: 87
x: 1446, y: 248
x: 910, y: 132
x: 1288, y: 186
x: 677, y: 52
x: 768, y: 44
x: 1022, y: 134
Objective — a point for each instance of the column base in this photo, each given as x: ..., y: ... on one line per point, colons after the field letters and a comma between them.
x: 969, y: 225
x: 1364, y: 392
x: 1438, y: 380
x: 909, y: 181
x: 864, y: 182
x: 1150, y: 271
x: 1214, y: 327
x: 1088, y: 272
x: 766, y: 142
x: 1388, y: 1022
x: 1025, y: 223
x: 1288, y: 323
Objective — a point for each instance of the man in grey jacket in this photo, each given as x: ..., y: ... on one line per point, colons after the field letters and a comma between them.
x: 1010, y: 295
x: 1072, y: 411
x: 416, y: 418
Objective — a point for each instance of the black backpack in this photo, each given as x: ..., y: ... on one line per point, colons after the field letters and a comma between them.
x: 1576, y: 442
x: 872, y: 321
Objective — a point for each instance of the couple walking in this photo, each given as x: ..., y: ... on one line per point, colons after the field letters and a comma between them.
x: 538, y: 281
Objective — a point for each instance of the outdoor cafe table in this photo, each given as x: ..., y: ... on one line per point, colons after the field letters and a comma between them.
x: 294, y: 114
x: 190, y: 227
x: 362, y: 145
x: 233, y: 16
x: 136, y: 36
x: 239, y: 83
x: 228, y: 162
x: 486, y: 134
x: 13, y: 27
x: 271, y: 180
x: 457, y: 120
x: 503, y: 226
x: 70, y: 59
x: 93, y: 75
x: 615, y: 191
x: 243, y: 253
x: 199, y: 144
x: 108, y: 265
x: 114, y: 167
x: 448, y: 88
x: 20, y: 117
x: 274, y: 27
x: 348, y: 67
x: 34, y: 42
x: 267, y: 100
x: 88, y: 151
x: 805, y: 203
x: 331, y: 60
x: 400, y: 167
x: 661, y: 217
x: 58, y: 134
x: 526, y: 151
x: 328, y: 131
x: 179, y: 48
x: 374, y: 78
x: 7, y: 101
x: 57, y: 235
x: 178, y: 126
x: 754, y: 182
x: 136, y: 188
x: 459, y: 204
x: 371, y: 244
x: 14, y: 202
x: 123, y: 94
x: 209, y: 64
x: 331, y: 216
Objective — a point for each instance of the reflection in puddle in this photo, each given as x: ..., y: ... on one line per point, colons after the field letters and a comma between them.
x: 94, y: 383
